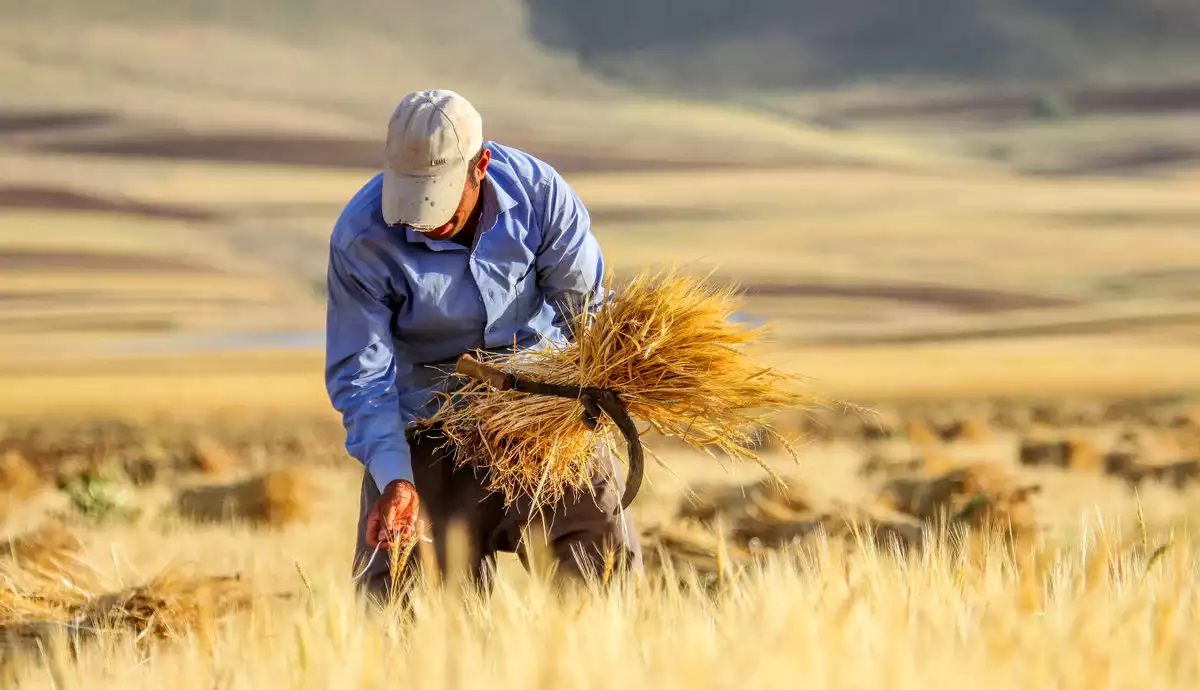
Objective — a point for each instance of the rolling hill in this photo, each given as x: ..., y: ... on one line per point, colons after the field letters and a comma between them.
x: 706, y: 45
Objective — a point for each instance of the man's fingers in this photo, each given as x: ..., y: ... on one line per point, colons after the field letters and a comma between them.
x: 394, y: 518
x: 374, y: 531
x: 385, y: 537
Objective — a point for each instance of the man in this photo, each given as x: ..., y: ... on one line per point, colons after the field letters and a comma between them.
x: 459, y: 244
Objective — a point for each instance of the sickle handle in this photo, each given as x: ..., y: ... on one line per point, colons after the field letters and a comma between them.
x: 469, y: 366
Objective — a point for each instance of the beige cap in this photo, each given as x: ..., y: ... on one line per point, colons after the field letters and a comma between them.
x: 431, y: 138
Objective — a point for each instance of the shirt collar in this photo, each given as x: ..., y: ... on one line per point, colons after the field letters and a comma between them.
x: 496, y: 202
x: 504, y: 200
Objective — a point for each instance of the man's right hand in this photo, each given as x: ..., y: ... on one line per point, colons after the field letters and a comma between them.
x: 394, y: 515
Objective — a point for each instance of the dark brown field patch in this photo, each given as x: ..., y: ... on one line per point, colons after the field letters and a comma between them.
x: 1096, y: 325
x: 1012, y: 105
x: 240, y: 148
x: 37, y: 121
x: 947, y: 296
x: 35, y: 197
x: 1141, y: 158
x: 619, y: 215
x: 1121, y: 218
x: 91, y: 324
x: 33, y: 259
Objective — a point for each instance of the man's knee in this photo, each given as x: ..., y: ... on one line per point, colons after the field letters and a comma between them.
x: 600, y: 561
x: 599, y: 550
x: 593, y: 536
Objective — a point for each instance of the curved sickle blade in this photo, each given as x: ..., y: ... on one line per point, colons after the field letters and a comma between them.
x: 616, y: 411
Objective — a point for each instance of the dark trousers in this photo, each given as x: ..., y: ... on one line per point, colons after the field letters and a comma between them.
x: 585, y: 535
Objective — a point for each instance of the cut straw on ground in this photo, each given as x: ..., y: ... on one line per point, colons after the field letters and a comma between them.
x: 70, y: 596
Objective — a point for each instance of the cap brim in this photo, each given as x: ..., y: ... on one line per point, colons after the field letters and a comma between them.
x: 422, y: 202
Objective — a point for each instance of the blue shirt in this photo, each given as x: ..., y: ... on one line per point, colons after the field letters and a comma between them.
x: 402, y: 307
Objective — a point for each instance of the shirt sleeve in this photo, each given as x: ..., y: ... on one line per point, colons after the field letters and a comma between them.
x: 570, y: 264
x: 361, y: 368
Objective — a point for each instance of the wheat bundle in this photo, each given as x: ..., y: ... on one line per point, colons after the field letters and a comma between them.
x: 707, y: 504
x: 985, y: 496
x: 276, y: 498
x: 669, y: 345
x: 70, y: 596
x: 683, y: 547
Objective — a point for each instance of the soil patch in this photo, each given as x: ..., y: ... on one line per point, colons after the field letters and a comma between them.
x: 658, y: 214
x: 1008, y: 106
x: 90, y: 324
x: 1144, y: 158
x: 948, y: 296
x: 30, y: 259
x: 1095, y: 326
x: 56, y: 199
x: 45, y: 121
x: 1117, y: 218
x: 108, y: 299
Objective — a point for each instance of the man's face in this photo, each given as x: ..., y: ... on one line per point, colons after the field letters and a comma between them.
x: 466, y: 204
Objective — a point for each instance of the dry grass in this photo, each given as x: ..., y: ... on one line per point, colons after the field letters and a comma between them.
x: 826, y: 589
x: 1094, y: 615
x: 667, y: 346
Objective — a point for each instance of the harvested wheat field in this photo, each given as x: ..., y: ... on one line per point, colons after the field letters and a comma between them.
x: 882, y: 561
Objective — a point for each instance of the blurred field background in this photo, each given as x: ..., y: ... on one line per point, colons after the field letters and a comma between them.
x: 979, y: 220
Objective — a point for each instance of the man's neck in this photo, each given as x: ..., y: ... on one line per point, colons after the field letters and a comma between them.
x: 466, y: 236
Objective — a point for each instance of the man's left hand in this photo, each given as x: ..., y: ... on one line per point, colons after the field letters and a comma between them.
x: 394, y: 516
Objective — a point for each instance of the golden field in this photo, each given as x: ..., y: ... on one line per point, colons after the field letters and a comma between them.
x: 1087, y: 580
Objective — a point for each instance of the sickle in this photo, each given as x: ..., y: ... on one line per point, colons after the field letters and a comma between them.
x: 594, y: 400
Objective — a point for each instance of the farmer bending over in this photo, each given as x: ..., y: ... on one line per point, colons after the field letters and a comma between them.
x: 459, y: 244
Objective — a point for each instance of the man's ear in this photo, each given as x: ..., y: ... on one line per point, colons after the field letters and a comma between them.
x: 481, y: 168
